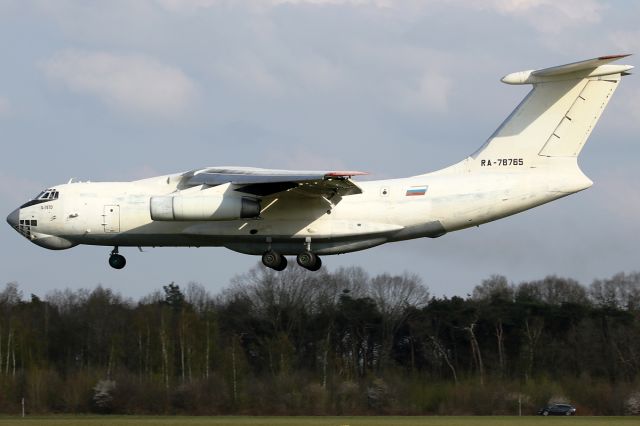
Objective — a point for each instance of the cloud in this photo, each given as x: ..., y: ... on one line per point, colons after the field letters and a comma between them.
x: 249, y: 71
x: 546, y: 16
x: 376, y: 3
x: 431, y: 94
x: 5, y: 106
x: 411, y: 78
x: 125, y: 82
x: 193, y: 5
x: 187, y: 5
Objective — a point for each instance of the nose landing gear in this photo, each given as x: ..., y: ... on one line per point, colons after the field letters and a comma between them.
x: 117, y: 261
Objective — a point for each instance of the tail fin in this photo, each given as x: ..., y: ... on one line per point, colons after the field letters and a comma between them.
x: 557, y: 116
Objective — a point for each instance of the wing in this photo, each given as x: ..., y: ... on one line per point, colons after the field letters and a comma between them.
x: 264, y: 182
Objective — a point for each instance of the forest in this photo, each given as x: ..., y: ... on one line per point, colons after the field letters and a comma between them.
x: 326, y: 343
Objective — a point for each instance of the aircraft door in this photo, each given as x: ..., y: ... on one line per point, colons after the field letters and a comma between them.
x: 111, y: 219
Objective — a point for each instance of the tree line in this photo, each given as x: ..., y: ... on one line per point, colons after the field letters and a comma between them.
x: 340, y: 342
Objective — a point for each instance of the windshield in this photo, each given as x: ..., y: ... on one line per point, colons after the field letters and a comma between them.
x: 43, y: 197
x: 47, y: 194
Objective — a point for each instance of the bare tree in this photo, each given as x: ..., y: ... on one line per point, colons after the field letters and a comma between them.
x: 475, y: 349
x: 495, y: 288
x: 393, y: 295
x: 499, y: 332
x: 533, y: 327
x: 198, y: 297
x: 442, y: 352
x: 553, y: 290
x: 622, y: 291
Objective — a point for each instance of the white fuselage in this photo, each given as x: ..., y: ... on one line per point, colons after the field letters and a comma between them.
x: 429, y: 205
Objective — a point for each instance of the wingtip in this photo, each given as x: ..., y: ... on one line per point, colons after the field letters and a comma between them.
x: 345, y: 173
x: 606, y: 57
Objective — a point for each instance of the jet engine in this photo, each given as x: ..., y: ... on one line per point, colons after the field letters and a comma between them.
x: 209, y: 207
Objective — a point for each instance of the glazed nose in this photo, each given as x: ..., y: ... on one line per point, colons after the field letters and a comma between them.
x: 14, y: 218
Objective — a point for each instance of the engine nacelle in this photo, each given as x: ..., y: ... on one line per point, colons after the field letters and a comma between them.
x: 209, y: 207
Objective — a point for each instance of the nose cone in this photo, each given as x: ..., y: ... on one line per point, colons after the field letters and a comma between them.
x: 13, y: 218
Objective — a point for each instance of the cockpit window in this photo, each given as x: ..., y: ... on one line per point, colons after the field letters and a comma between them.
x: 44, y: 196
x: 48, y: 194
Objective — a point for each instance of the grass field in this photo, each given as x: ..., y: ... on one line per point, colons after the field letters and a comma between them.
x: 317, y: 421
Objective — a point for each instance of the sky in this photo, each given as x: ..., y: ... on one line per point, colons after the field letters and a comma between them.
x: 122, y: 90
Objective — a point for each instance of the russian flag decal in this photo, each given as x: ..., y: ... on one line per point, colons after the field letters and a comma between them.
x: 416, y: 190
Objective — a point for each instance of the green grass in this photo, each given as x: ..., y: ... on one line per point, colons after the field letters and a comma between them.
x: 315, y: 421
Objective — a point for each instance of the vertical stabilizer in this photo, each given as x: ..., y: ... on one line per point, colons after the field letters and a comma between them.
x: 559, y: 113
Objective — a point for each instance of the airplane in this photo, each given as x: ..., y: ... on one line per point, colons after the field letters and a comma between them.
x: 531, y: 159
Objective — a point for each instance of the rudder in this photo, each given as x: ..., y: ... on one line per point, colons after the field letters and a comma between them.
x: 568, y: 138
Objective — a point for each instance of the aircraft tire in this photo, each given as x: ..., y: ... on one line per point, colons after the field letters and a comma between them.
x: 274, y: 260
x: 309, y: 260
x: 117, y: 261
x: 283, y: 264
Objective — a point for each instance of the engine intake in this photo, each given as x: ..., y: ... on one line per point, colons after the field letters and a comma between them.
x: 209, y: 207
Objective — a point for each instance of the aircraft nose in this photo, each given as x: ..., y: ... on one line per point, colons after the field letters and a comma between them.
x: 13, y: 218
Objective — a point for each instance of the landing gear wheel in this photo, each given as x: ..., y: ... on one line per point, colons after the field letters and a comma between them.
x: 309, y: 260
x: 274, y: 260
x: 117, y: 261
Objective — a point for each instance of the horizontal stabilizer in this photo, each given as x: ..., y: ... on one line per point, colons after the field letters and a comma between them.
x: 590, y: 68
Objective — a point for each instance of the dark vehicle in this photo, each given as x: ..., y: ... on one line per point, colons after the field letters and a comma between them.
x: 558, y: 410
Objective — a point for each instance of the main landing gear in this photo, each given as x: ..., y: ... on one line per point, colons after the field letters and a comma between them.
x: 116, y: 260
x: 306, y: 259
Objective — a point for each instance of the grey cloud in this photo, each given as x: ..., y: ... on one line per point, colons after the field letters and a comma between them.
x: 128, y: 82
x: 548, y: 16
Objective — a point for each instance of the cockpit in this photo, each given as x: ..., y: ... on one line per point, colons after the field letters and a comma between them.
x: 38, y: 222
x: 47, y: 194
x: 44, y: 196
